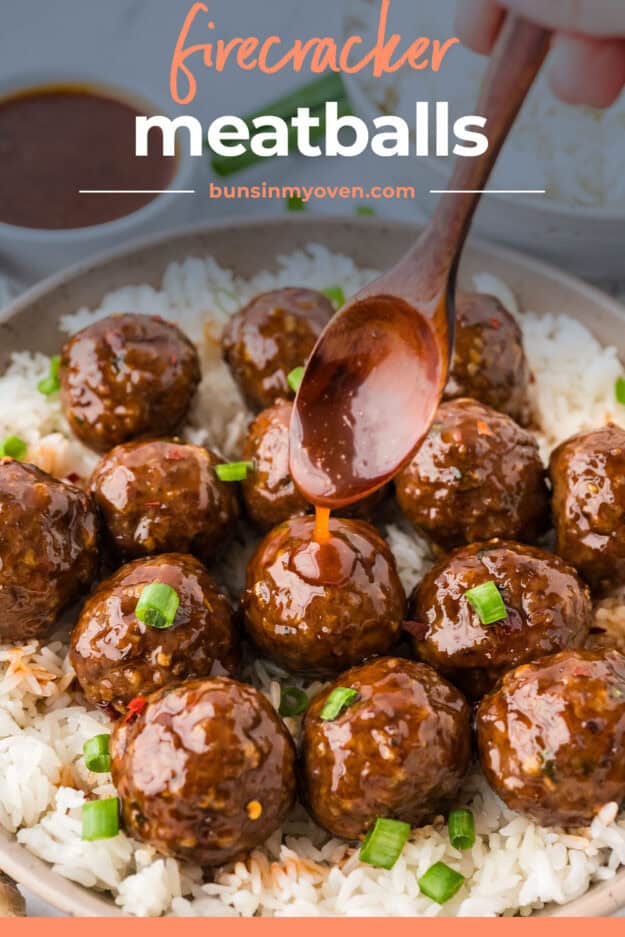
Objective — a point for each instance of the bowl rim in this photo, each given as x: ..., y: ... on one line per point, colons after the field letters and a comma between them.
x: 31, y: 80
x: 602, y: 898
x: 550, y: 206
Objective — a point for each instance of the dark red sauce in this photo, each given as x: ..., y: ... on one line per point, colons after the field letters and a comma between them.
x: 55, y: 141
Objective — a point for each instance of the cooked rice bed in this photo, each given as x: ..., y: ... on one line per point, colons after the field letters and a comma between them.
x: 515, y: 866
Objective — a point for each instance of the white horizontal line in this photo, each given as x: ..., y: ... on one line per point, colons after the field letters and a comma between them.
x: 136, y: 191
x: 488, y: 191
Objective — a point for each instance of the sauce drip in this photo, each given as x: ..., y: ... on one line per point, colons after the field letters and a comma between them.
x: 322, y: 525
x: 371, y: 389
x: 55, y: 140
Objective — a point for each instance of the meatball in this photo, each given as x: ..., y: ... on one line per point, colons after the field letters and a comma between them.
x: 117, y: 657
x: 48, y: 549
x: 588, y: 479
x: 318, y: 608
x: 270, y: 495
x: 477, y: 475
x: 400, y: 750
x: 548, y: 609
x: 127, y: 376
x: 205, y: 772
x: 271, y: 336
x: 552, y: 736
x: 163, y: 496
x: 489, y: 362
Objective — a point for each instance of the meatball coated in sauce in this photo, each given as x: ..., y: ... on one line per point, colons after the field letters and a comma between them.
x: 548, y: 609
x: 489, y: 362
x: 552, y: 737
x: 318, y: 608
x: 476, y: 476
x: 269, y: 492
x: 400, y: 750
x: 48, y: 549
x: 271, y: 336
x: 162, y: 496
x: 205, y: 772
x: 127, y: 376
x: 117, y: 657
x: 588, y: 479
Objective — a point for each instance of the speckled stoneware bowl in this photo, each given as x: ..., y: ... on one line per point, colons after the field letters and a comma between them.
x: 248, y: 247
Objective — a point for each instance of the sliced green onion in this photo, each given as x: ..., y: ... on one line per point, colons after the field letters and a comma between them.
x: 338, y: 700
x: 440, y: 883
x: 293, y: 701
x: 384, y: 842
x: 233, y: 471
x: 157, y: 605
x: 486, y: 600
x: 336, y: 295
x: 295, y: 379
x: 295, y: 203
x: 100, y: 819
x: 51, y: 383
x: 461, y: 826
x: 96, y: 752
x: 13, y: 447
x: 619, y: 390
x: 365, y: 210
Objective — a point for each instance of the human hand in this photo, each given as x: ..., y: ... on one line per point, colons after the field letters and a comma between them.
x: 587, y: 61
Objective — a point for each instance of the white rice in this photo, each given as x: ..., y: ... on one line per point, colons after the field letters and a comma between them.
x: 515, y: 865
x: 575, y: 153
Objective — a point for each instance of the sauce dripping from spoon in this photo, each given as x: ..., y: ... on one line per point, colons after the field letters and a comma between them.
x: 377, y: 374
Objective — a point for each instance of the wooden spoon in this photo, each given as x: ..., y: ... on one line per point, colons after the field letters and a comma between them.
x: 377, y: 373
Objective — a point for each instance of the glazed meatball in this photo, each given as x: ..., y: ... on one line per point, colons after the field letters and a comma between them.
x: 400, y: 750
x: 489, y: 362
x: 127, y: 376
x: 205, y: 772
x: 477, y: 475
x: 588, y: 478
x: 318, y: 608
x: 270, y: 495
x: 552, y: 737
x: 117, y: 657
x: 548, y: 609
x: 271, y: 336
x: 48, y: 549
x: 163, y: 496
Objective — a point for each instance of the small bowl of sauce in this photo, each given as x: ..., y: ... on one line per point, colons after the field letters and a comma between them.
x: 61, y: 140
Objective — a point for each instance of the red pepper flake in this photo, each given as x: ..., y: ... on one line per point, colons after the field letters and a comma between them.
x: 73, y: 478
x: 495, y: 322
x: 415, y: 628
x: 174, y: 359
x: 135, y: 708
x: 483, y: 428
x: 151, y: 504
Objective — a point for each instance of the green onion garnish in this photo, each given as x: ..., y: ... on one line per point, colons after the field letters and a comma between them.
x: 440, y: 883
x: 295, y: 379
x: 384, y: 842
x: 338, y: 700
x: 51, y: 383
x: 365, y: 210
x: 157, y: 605
x: 96, y: 752
x: 461, y: 826
x: 619, y: 390
x: 293, y: 701
x: 336, y: 295
x: 13, y: 447
x: 233, y: 471
x: 295, y: 203
x: 100, y: 819
x: 486, y: 600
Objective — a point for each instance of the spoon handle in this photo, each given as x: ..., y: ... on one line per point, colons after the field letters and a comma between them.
x: 517, y: 58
